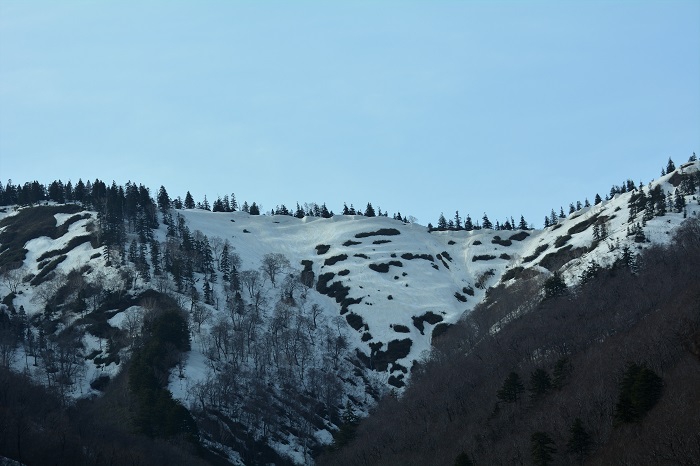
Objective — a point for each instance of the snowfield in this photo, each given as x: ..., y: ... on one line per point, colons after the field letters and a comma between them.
x: 401, y: 282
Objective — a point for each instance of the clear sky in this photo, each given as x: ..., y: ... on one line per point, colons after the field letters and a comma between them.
x: 421, y: 107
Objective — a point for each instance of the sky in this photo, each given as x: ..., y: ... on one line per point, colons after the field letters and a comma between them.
x: 505, y: 108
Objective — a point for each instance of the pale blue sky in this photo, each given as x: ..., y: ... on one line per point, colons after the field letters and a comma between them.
x: 417, y: 106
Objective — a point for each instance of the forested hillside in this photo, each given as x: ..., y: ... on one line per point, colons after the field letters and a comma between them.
x: 232, y: 336
x: 606, y: 372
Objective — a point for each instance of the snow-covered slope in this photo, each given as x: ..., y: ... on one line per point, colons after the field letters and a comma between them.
x: 385, y: 286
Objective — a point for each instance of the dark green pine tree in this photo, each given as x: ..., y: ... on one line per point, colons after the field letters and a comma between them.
x: 369, y: 210
x: 679, y: 202
x: 640, y: 390
x: 597, y: 199
x: 218, y: 205
x: 540, y: 383
x: 442, y: 222
x: 458, y: 221
x: 254, y: 209
x: 468, y: 225
x: 299, y: 212
x: 511, y: 389
x: 133, y: 252
x: 542, y: 448
x: 189, y: 201
x: 347, y: 429
x: 554, y: 286
x: 486, y: 222
x: 590, y: 273
x: 208, y: 295
x: 463, y: 460
x: 670, y: 166
x: 155, y: 257
x: 225, y: 262
x: 163, y: 200
x: 523, y: 224
x: 580, y: 441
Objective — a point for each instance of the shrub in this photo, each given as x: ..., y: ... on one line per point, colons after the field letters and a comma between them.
x: 409, y: 256
x: 483, y: 257
x: 519, y: 236
x: 561, y: 241
x: 384, y: 267
x: 355, y: 321
x: 540, y: 249
x: 640, y: 390
x: 429, y: 317
x: 322, y: 248
x: 335, y: 259
x: 501, y: 242
x: 380, y: 232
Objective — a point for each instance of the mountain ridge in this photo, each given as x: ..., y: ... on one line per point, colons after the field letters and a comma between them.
x: 381, y: 289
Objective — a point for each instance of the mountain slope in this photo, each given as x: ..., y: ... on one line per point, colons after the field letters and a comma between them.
x: 353, y: 308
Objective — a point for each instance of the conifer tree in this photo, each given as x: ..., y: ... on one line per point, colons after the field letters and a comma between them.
x: 486, y: 222
x: 463, y: 460
x: 523, y: 224
x: 207, y: 292
x: 163, y: 200
x: 540, y: 383
x: 553, y: 219
x: 554, y: 286
x: 254, y: 209
x: 225, y: 262
x: 369, y: 210
x: 640, y: 390
x: 542, y: 448
x: 670, y: 166
x: 347, y: 429
x: 579, y: 440
x: 458, y: 221
x: 597, y: 199
x: 155, y: 257
x: 679, y: 201
x: 468, y: 225
x: 189, y: 201
x: 442, y: 222
x: 511, y: 389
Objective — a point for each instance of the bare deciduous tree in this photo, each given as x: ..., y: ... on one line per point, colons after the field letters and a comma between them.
x: 273, y: 264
